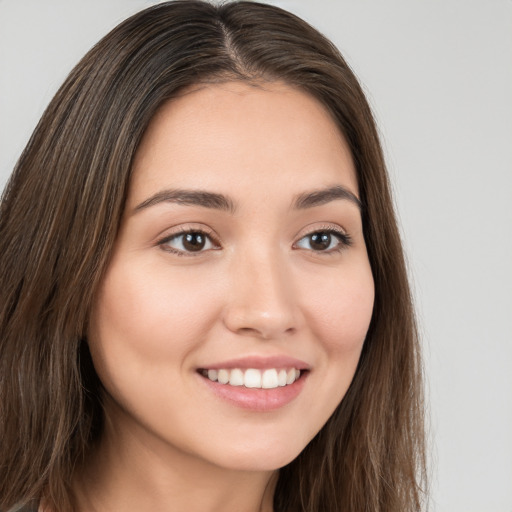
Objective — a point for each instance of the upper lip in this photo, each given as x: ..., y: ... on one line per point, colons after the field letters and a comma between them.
x: 259, y: 363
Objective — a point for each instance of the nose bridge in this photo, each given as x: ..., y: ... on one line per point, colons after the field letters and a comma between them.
x: 262, y: 302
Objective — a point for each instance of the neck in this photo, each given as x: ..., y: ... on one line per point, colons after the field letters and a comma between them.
x: 133, y: 470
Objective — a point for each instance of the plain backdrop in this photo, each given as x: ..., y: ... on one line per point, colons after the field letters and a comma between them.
x: 438, y: 74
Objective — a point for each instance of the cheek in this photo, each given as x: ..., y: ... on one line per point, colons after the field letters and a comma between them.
x: 147, y: 309
x: 139, y: 324
x: 341, y: 310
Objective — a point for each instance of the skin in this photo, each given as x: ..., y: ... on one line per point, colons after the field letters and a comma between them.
x: 259, y: 288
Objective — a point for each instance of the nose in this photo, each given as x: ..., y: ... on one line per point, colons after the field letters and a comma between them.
x: 262, y: 302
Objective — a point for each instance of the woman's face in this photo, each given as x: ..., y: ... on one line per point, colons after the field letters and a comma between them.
x: 240, y: 258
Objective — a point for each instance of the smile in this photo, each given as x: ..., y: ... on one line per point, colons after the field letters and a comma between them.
x: 269, y: 378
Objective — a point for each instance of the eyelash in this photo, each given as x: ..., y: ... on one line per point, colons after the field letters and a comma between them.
x: 344, y: 239
x: 182, y: 233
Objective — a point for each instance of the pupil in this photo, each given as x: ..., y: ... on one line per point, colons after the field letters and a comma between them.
x: 320, y: 241
x: 193, y: 241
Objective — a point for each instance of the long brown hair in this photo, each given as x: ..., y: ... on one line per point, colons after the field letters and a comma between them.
x: 59, y: 218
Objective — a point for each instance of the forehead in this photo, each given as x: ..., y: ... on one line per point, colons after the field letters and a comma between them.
x: 240, y: 135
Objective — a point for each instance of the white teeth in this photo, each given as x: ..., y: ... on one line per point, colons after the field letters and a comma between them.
x: 252, y: 378
x: 223, y: 376
x: 269, y: 379
x: 236, y: 378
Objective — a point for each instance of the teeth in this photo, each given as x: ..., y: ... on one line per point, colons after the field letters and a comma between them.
x: 269, y: 379
x: 251, y: 378
x: 223, y: 376
x: 236, y: 378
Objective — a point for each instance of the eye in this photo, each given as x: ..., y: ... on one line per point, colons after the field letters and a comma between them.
x: 187, y: 242
x: 328, y: 240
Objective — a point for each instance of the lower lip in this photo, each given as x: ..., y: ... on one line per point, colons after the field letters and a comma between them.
x: 256, y: 399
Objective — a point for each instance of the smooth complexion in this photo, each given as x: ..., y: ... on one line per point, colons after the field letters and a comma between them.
x: 275, y: 275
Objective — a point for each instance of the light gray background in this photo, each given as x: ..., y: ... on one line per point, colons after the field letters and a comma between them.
x: 439, y: 76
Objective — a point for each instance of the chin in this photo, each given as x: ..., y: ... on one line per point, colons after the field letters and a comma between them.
x: 259, y: 458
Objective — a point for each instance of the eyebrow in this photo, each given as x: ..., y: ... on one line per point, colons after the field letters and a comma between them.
x: 221, y: 202
x: 189, y: 198
x: 323, y: 196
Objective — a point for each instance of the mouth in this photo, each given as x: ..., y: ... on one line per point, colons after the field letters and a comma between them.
x: 253, y: 378
x: 260, y: 390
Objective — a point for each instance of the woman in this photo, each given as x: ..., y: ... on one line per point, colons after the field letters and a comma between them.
x: 204, y: 301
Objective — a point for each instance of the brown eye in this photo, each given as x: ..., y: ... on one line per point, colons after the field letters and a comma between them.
x: 188, y: 242
x: 324, y: 241
x: 320, y: 241
x: 194, y: 241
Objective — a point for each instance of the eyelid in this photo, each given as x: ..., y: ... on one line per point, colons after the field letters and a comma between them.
x: 183, y: 230
x: 324, y: 226
x: 341, y: 233
x: 345, y: 239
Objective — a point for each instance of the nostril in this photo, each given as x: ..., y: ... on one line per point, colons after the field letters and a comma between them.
x: 246, y: 330
x: 265, y: 333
